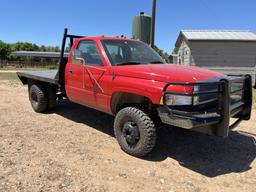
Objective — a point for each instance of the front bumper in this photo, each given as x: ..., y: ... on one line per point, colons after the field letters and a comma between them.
x: 212, y: 115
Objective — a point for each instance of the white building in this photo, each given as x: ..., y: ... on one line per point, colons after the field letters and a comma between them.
x: 227, y: 51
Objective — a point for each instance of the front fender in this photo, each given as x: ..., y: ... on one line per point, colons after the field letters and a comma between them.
x: 147, y: 88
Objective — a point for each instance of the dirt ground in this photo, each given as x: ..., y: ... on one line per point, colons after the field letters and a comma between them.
x: 72, y: 148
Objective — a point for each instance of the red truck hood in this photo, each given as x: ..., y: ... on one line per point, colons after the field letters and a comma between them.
x: 166, y: 72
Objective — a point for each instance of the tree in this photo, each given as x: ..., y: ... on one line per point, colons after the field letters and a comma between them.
x: 22, y: 46
x: 5, y: 50
x: 57, y: 49
x: 175, y: 50
x: 162, y: 53
x: 35, y: 47
x: 42, y: 48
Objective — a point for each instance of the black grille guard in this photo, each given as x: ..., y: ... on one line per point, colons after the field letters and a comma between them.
x: 240, y: 109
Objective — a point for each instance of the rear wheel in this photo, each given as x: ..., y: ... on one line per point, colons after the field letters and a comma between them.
x: 38, y: 98
x: 135, y: 131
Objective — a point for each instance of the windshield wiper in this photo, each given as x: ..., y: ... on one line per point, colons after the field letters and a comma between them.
x: 128, y: 63
x: 156, y: 62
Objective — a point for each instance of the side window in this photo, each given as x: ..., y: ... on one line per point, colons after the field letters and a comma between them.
x: 90, y: 53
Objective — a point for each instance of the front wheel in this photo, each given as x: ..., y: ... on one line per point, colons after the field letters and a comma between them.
x: 135, y: 131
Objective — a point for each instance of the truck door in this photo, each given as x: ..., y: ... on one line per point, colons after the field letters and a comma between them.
x: 84, y: 80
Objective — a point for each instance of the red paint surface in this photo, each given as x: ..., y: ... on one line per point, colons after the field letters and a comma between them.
x: 145, y: 80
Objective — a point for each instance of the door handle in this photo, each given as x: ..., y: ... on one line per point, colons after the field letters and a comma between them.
x: 70, y: 71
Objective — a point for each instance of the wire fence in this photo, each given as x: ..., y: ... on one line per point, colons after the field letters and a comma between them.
x: 26, y: 64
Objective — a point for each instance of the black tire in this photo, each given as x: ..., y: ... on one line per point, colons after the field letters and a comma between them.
x: 51, y: 93
x: 38, y: 98
x: 135, y: 132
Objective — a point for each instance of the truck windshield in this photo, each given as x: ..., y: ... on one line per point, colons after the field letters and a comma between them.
x: 126, y: 52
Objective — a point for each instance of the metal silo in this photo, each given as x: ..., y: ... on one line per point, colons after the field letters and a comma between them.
x: 141, y: 26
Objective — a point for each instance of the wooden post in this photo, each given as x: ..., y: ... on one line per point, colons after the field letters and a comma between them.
x: 153, y: 21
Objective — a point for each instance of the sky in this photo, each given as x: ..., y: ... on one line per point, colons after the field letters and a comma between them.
x: 43, y: 21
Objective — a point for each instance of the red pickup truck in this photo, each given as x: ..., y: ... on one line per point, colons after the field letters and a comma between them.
x: 129, y: 80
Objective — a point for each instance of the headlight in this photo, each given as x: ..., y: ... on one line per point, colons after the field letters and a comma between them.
x: 197, y: 99
x: 178, y: 100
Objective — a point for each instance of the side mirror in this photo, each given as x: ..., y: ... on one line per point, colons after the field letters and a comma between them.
x: 77, y: 57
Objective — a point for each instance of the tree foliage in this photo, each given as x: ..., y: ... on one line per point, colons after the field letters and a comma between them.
x: 162, y: 53
x: 175, y: 50
x: 7, y: 48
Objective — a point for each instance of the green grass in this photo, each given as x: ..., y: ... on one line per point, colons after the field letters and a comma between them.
x: 10, y: 73
x: 9, y: 76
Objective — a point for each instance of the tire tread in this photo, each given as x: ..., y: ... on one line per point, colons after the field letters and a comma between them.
x: 148, y: 127
x: 42, y: 98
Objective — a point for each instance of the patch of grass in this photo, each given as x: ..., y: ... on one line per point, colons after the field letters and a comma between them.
x: 9, y: 76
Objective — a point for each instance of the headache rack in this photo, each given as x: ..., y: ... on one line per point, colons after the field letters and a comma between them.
x: 63, y: 61
x: 232, y: 96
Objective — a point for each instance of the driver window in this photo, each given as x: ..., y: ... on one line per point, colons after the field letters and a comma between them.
x: 90, y: 53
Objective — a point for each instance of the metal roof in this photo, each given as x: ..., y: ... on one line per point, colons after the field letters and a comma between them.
x: 37, y: 54
x: 218, y: 35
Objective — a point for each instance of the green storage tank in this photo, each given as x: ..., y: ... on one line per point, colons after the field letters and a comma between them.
x: 141, y: 26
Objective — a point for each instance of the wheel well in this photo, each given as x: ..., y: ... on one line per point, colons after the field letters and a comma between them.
x: 24, y: 80
x: 121, y: 100
x: 31, y: 82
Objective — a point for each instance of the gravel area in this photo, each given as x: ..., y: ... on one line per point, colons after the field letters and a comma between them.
x: 72, y: 148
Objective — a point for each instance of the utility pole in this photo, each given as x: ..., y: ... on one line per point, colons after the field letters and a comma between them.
x: 153, y: 21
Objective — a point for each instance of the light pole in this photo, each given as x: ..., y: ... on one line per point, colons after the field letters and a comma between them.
x: 153, y: 21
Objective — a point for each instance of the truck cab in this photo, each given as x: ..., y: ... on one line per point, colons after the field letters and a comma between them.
x: 106, y: 67
x: 129, y: 80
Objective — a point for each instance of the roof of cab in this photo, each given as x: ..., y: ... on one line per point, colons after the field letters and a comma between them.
x: 102, y: 37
